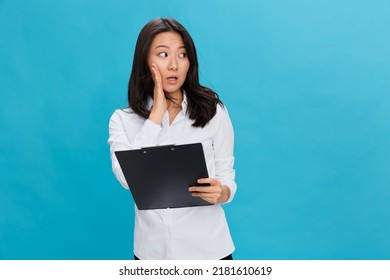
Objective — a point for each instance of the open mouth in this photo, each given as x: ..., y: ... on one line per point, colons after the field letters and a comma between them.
x: 173, y: 78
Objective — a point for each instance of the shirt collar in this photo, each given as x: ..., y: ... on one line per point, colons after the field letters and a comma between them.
x: 184, y: 103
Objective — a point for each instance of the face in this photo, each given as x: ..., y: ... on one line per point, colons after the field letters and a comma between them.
x: 168, y: 52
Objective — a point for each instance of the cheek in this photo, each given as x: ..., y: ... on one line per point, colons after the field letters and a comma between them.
x: 158, y: 63
x: 185, y: 68
x: 150, y: 62
x: 154, y: 60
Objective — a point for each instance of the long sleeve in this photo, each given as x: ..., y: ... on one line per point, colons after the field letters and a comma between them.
x: 129, y: 131
x: 223, y: 148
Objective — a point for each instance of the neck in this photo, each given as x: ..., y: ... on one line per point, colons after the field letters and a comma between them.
x: 175, y: 98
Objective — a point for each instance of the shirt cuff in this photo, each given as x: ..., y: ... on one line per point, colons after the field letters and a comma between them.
x: 232, y: 186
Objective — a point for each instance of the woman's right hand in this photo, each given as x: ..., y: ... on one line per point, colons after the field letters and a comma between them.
x: 159, y: 100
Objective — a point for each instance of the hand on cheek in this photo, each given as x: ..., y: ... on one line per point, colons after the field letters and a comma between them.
x: 159, y: 100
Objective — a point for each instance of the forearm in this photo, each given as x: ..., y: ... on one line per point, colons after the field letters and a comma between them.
x: 119, y: 139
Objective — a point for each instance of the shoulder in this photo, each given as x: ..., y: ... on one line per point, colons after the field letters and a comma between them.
x: 220, y: 118
x: 222, y: 112
x: 221, y: 108
x: 124, y: 115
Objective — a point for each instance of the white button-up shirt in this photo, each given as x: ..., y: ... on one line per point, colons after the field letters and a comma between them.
x: 179, y: 233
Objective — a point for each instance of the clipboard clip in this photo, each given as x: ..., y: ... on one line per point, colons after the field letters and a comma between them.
x: 150, y: 148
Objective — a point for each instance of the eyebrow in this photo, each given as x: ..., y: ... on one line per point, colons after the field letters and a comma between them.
x: 165, y: 46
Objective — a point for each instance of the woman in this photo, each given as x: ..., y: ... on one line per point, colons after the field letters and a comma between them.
x: 168, y: 105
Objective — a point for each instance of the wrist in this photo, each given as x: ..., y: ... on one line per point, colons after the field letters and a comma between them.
x: 156, y: 116
x: 225, y: 195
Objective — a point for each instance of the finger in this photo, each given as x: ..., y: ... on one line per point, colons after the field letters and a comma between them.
x: 156, y: 75
x: 211, y: 181
x: 206, y: 195
x: 209, y: 198
x: 210, y: 189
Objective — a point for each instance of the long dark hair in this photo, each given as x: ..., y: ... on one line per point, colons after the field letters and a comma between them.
x: 202, y: 101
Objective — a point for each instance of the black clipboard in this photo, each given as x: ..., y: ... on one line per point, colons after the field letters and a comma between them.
x: 159, y: 177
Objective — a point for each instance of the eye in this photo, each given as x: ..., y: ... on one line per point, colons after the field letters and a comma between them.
x: 182, y: 55
x: 163, y: 54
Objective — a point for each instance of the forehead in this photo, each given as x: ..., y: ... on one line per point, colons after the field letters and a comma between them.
x: 168, y: 39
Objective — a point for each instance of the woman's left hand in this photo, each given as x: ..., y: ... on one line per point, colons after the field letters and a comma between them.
x: 215, y: 193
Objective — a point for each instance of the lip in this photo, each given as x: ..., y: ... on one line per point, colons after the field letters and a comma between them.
x: 172, y: 80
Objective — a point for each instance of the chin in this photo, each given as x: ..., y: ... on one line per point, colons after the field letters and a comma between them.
x: 170, y: 90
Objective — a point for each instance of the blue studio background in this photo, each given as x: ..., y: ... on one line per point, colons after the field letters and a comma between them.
x: 307, y: 85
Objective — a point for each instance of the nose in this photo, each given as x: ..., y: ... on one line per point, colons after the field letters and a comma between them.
x: 172, y: 64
